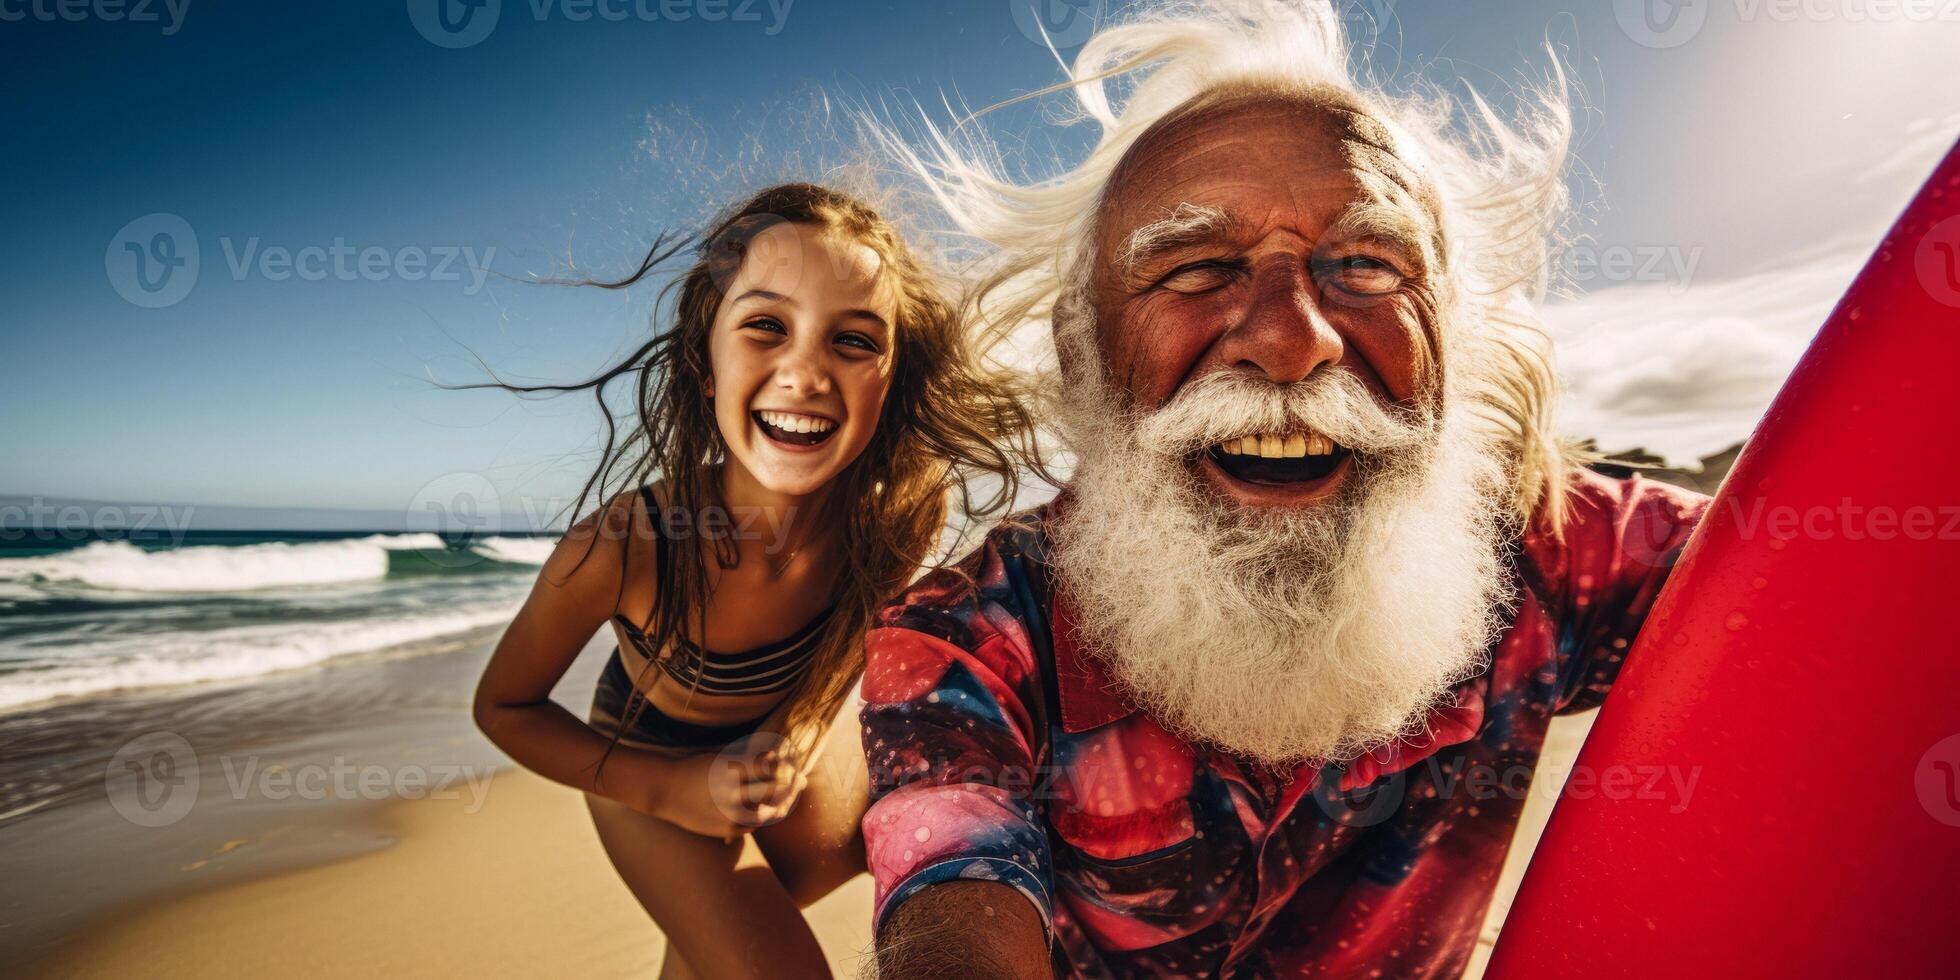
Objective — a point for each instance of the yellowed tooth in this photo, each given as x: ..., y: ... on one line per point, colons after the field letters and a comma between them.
x: 1271, y: 446
x: 1296, y: 445
x: 1229, y: 447
x: 1319, y: 445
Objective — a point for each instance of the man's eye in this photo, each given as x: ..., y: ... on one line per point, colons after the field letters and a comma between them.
x: 859, y: 341
x: 1199, y: 277
x: 1361, y: 274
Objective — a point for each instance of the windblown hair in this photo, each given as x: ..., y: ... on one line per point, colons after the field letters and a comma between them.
x: 945, y: 421
x: 1501, y: 187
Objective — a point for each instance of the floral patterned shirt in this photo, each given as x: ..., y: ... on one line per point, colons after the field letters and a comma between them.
x: 999, y: 752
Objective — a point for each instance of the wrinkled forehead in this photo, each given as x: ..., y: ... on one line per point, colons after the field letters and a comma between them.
x: 1269, y: 157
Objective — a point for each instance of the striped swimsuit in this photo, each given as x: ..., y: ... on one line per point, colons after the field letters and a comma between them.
x: 767, y: 669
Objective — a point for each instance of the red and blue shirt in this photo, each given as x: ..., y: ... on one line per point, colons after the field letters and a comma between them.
x: 1000, y: 752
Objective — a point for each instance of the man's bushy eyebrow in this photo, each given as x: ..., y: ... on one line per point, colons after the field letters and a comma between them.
x: 1385, y: 224
x: 1187, y: 224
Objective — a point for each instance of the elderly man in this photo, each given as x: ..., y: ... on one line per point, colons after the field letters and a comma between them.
x: 1259, y: 694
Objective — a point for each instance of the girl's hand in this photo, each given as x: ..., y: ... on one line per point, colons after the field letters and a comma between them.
x: 729, y: 794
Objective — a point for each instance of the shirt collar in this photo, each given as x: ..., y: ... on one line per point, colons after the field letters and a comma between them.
x: 1089, y: 698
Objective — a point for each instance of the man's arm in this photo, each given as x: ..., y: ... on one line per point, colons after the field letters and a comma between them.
x: 954, y: 837
x: 961, y: 929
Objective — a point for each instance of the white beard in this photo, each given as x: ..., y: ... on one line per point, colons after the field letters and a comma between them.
x: 1283, y: 635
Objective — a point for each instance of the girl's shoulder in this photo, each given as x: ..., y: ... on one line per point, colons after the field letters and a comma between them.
x: 596, y: 551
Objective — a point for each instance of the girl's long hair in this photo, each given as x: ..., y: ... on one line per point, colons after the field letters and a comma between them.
x: 947, y: 419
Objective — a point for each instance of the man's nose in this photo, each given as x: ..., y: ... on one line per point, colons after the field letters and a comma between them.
x: 1283, y: 335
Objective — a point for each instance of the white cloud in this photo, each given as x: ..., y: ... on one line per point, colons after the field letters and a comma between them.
x: 1686, y: 373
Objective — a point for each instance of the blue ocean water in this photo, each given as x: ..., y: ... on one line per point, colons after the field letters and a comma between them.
x: 82, y: 619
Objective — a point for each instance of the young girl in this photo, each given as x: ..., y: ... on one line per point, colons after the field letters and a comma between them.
x: 799, y: 427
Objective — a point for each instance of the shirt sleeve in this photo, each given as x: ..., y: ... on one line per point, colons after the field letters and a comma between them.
x: 1622, y: 539
x: 948, y: 735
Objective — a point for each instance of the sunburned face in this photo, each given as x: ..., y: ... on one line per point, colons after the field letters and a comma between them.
x: 1259, y: 416
x: 802, y: 351
x: 1272, y: 239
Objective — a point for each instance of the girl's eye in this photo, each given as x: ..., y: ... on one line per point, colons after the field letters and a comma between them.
x: 1361, y: 274
x: 768, y: 324
x: 1199, y: 277
x: 859, y: 341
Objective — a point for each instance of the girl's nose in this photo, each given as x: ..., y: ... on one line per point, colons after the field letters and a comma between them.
x: 802, y: 377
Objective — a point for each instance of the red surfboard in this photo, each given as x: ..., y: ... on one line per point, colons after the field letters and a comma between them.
x: 1801, y: 672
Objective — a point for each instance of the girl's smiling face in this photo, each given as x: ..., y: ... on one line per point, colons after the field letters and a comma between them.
x: 801, y: 356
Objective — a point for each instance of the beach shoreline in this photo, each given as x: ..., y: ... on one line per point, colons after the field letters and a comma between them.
x: 332, y: 845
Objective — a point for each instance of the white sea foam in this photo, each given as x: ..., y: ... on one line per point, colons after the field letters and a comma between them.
x: 516, y: 551
x: 123, y: 566
x: 405, y: 542
x: 129, y: 663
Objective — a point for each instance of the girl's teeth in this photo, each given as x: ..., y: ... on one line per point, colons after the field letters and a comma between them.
x: 1279, y: 445
x: 796, y: 423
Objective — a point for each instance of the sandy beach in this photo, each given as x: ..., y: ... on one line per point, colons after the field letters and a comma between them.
x: 496, y: 874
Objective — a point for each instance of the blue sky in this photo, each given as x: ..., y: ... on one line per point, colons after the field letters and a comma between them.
x: 1764, y: 151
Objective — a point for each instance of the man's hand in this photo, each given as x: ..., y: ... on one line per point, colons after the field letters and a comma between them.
x: 976, y: 929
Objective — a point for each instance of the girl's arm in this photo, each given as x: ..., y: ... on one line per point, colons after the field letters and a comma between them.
x: 574, y: 596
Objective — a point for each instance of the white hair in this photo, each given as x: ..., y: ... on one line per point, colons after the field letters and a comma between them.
x: 1500, y: 183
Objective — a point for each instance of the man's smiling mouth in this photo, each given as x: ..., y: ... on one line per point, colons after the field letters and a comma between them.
x: 1278, y: 458
x: 793, y: 428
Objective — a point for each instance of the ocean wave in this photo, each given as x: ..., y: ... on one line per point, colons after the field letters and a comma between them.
x: 406, y: 542
x: 516, y: 551
x: 228, y: 655
x: 120, y: 565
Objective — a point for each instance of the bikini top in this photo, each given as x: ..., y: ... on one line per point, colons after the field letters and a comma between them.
x: 767, y: 669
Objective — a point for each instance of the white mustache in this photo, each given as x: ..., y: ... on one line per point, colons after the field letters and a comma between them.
x: 1333, y: 401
